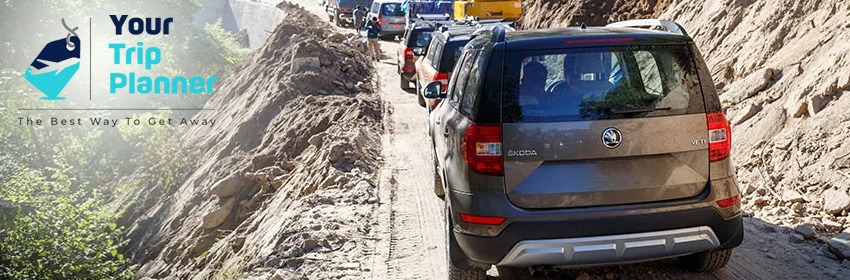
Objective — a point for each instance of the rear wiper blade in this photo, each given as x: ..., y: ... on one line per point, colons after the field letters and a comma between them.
x: 640, y: 110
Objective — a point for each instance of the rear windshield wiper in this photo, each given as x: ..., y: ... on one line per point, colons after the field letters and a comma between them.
x: 639, y: 110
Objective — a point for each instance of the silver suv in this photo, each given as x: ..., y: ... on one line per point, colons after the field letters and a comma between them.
x: 583, y: 146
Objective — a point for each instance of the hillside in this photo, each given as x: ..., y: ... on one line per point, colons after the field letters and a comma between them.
x: 285, y: 178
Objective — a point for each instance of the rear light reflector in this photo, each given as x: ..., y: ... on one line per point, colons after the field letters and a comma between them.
x: 408, y: 53
x: 482, y: 220
x: 725, y: 203
x: 719, y: 136
x: 482, y: 149
x: 443, y: 78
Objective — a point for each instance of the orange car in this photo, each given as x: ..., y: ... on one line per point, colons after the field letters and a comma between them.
x: 438, y: 61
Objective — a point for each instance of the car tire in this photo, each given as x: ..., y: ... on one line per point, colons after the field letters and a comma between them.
x: 513, y: 273
x: 405, y: 83
x: 708, y: 260
x: 459, y: 266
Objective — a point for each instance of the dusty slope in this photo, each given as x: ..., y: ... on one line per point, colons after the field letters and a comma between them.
x: 285, y: 183
x: 561, y: 13
x: 782, y: 67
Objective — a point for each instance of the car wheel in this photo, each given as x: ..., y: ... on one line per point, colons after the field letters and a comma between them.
x: 513, y: 273
x: 460, y: 267
x: 708, y: 260
x: 405, y: 83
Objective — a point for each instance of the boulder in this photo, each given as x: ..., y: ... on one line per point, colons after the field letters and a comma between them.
x: 840, y: 245
x: 228, y: 186
x: 316, y: 140
x: 748, y: 112
x: 801, y: 109
x: 835, y: 201
x: 816, y: 104
x: 217, y: 217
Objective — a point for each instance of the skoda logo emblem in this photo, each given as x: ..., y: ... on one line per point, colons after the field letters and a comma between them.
x: 611, y: 138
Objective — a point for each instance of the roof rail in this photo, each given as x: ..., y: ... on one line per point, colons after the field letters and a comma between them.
x: 498, y: 30
x: 433, y: 17
x: 671, y: 26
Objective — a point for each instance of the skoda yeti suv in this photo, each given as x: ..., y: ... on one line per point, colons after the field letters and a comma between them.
x: 583, y: 146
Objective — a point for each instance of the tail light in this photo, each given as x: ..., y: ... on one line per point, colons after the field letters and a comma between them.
x: 408, y: 53
x: 443, y: 78
x: 380, y: 20
x: 482, y: 149
x: 719, y: 136
x: 483, y: 220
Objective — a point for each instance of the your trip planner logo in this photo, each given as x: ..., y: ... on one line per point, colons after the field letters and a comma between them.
x: 55, y: 65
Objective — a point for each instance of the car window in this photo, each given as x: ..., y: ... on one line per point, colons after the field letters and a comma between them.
x: 601, y: 83
x: 435, y: 60
x: 392, y: 10
x: 462, y: 79
x: 452, y: 89
x: 421, y: 39
x: 375, y: 8
x: 470, y: 92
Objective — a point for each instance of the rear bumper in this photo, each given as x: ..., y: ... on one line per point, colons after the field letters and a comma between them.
x: 612, y: 248
x: 561, y: 230
x: 605, y: 241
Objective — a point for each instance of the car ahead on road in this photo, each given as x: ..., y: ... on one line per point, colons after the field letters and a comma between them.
x: 390, y: 16
x: 341, y: 12
x: 438, y: 59
x: 416, y: 36
x: 583, y: 146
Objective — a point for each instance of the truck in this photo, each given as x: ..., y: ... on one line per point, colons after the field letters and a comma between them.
x: 341, y: 11
x: 427, y: 9
x: 488, y: 9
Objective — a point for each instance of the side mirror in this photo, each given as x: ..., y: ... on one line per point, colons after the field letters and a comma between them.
x: 419, y: 51
x: 434, y: 91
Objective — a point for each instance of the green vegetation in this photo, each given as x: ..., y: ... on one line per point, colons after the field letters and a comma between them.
x: 65, y: 190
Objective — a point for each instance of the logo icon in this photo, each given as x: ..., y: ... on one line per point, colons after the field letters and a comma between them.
x: 55, y: 65
x: 611, y: 138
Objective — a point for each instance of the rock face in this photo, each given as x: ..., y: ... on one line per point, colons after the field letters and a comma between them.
x: 561, y: 13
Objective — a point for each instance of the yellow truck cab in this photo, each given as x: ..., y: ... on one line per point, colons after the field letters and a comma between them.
x: 488, y: 9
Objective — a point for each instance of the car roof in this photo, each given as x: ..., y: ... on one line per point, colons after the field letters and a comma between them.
x: 590, y: 36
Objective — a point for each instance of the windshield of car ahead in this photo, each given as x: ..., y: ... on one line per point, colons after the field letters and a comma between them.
x: 600, y: 83
x: 420, y: 39
x: 392, y: 10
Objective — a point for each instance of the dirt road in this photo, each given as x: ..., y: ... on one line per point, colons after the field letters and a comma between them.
x: 410, y: 233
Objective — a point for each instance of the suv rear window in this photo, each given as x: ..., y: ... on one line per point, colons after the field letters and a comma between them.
x: 392, y: 10
x: 601, y: 83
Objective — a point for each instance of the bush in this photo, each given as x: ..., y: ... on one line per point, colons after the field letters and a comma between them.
x: 58, y: 233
